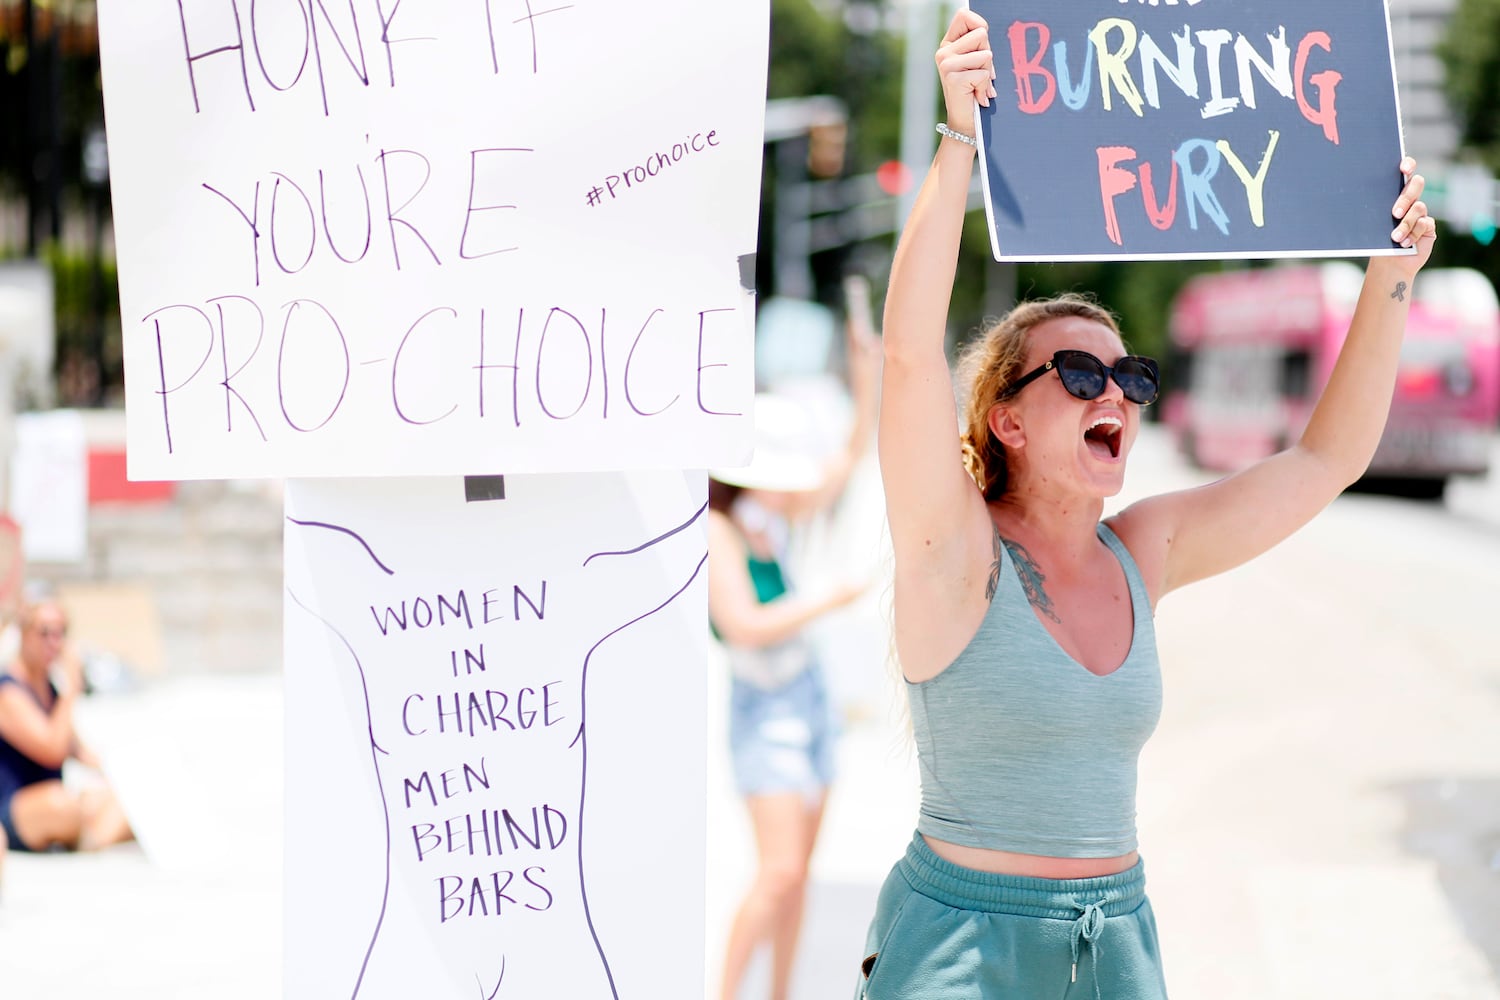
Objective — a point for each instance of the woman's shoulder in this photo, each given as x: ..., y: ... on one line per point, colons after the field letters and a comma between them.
x: 1145, y: 540
x: 724, y: 535
x: 17, y: 700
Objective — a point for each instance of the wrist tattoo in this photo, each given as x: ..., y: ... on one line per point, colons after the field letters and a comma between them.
x: 1400, y: 293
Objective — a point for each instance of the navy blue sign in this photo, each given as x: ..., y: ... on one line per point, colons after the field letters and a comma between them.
x: 1149, y: 129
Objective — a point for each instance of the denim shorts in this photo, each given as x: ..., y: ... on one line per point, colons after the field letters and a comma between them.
x: 782, y: 740
x: 943, y: 932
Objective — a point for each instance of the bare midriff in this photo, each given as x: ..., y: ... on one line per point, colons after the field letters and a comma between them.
x: 1029, y: 865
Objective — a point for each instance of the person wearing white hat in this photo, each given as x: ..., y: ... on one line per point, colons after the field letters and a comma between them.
x: 781, y: 722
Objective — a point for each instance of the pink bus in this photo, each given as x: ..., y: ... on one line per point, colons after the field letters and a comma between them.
x: 1251, y: 349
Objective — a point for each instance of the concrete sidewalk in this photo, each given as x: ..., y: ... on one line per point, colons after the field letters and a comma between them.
x: 1319, y: 810
x: 194, y: 909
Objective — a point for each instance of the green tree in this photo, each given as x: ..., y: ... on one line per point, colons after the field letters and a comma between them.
x: 813, y: 54
x: 844, y: 53
x: 1470, y: 52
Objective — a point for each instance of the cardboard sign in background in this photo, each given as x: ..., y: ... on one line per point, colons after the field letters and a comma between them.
x: 1192, y: 129
x: 368, y: 239
x: 495, y: 737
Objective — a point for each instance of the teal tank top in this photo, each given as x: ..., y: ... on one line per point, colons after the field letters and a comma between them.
x: 1021, y: 748
x: 766, y: 575
x: 769, y: 667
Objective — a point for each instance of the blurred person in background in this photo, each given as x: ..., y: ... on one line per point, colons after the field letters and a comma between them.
x: 782, y: 723
x: 38, y: 691
x: 1023, y: 618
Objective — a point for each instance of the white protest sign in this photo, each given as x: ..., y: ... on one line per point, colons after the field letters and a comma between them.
x: 49, y: 485
x: 362, y: 237
x: 495, y: 738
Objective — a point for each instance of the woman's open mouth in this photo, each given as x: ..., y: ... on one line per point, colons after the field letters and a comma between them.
x: 1103, y: 436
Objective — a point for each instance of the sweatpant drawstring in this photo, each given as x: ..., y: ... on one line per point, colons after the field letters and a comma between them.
x: 1088, y: 928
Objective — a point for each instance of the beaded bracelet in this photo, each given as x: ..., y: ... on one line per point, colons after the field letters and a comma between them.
x: 951, y: 134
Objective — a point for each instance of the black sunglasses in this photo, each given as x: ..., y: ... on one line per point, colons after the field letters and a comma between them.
x: 1085, y: 376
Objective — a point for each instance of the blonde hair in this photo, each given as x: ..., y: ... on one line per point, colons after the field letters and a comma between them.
x: 991, y: 363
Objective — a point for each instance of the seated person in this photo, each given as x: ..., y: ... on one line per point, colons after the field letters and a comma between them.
x: 37, y: 812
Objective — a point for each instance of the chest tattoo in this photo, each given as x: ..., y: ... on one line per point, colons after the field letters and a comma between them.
x: 993, y: 584
x: 1031, y: 577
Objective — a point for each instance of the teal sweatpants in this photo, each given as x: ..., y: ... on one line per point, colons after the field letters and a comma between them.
x: 945, y: 932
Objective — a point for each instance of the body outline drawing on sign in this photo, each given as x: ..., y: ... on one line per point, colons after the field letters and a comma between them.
x: 375, y: 747
x: 674, y: 579
x: 581, y: 740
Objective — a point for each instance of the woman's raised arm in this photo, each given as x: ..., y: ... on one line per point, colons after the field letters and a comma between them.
x: 1219, y: 526
x: 921, y: 463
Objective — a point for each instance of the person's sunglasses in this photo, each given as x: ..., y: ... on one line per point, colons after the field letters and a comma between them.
x: 1085, y: 376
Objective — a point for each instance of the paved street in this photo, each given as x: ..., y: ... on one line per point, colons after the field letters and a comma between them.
x: 1319, y: 811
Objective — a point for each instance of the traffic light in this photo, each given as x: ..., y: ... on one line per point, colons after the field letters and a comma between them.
x: 894, y: 177
x: 1483, y: 228
x: 1468, y: 200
